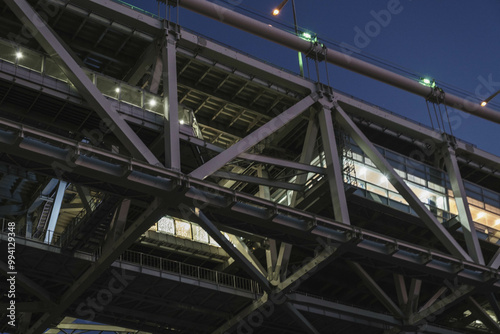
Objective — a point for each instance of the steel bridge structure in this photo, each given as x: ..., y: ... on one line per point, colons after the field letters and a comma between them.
x: 153, y: 180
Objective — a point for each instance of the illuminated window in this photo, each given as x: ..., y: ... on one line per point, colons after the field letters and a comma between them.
x: 166, y: 225
x: 199, y: 234
x: 183, y: 229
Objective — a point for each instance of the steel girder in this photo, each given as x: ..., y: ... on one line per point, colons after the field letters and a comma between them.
x: 334, y: 167
x: 20, y: 141
x: 460, y: 196
x: 259, y: 180
x: 171, y: 104
x: 308, y: 148
x: 402, y: 253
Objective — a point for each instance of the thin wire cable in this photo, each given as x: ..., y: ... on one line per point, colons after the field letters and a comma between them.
x: 316, y: 62
x: 308, y: 69
x: 441, y: 116
x: 326, y: 67
x: 429, y: 111
x: 435, y: 113
x: 448, y: 116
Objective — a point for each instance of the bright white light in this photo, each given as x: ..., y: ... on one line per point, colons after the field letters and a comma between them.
x: 424, y: 196
x: 481, y: 215
x: 497, y: 222
x: 117, y: 89
x: 152, y: 102
x: 362, y: 171
x: 181, y: 121
x: 19, y: 55
x: 383, y: 179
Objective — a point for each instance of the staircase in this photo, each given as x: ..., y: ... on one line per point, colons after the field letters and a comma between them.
x: 87, y: 230
x: 43, y: 220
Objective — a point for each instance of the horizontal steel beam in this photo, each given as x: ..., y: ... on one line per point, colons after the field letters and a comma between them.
x: 340, y: 311
x: 44, y: 148
x: 259, y: 180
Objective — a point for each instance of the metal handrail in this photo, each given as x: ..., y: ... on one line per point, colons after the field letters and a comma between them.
x: 200, y: 273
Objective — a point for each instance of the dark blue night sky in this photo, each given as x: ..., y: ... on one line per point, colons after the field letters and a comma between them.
x: 456, y: 42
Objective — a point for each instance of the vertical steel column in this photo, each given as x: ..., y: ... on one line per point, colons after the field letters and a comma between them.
x: 333, y: 168
x: 171, y: 103
x: 307, y: 150
x: 56, y: 208
x: 263, y: 190
x: 464, y: 215
x: 271, y: 257
x: 413, y: 296
x: 399, y: 283
x: 282, y: 263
